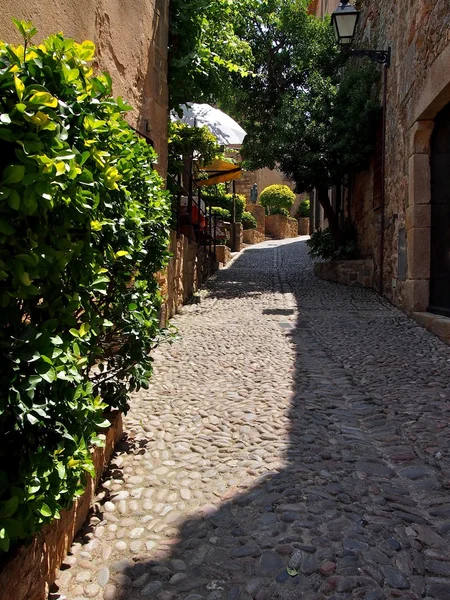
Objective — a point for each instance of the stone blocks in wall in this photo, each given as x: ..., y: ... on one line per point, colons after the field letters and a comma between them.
x: 280, y: 227
x: 253, y: 236
x: 358, y: 273
x: 189, y: 267
x: 223, y: 254
x: 259, y: 212
x: 419, y: 253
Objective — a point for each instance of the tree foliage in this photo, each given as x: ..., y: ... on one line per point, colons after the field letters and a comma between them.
x: 304, y: 112
x: 276, y: 198
x: 83, y: 228
x: 204, y: 49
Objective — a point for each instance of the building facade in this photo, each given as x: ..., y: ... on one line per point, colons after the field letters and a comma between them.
x: 409, y: 239
x: 131, y: 39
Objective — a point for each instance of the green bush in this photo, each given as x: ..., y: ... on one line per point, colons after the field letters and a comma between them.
x: 248, y: 221
x: 322, y: 244
x: 276, y: 197
x: 280, y: 211
x: 303, y: 209
x: 223, y: 213
x: 83, y: 229
x: 218, y: 197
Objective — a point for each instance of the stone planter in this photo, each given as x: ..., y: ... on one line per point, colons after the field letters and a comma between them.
x: 31, y: 569
x: 280, y: 227
x: 357, y: 273
x: 253, y: 236
x: 303, y: 226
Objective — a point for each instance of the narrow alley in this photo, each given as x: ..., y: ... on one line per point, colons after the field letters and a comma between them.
x: 294, y: 443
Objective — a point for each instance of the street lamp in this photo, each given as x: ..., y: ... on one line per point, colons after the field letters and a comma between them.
x: 344, y: 21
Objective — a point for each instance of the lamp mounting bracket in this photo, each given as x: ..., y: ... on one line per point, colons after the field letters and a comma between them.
x: 382, y: 57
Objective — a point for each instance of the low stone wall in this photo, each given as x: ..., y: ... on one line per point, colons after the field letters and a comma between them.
x: 32, y: 569
x: 189, y: 267
x: 259, y: 212
x: 348, y: 272
x: 223, y: 254
x: 253, y: 236
x: 303, y: 226
x: 280, y: 227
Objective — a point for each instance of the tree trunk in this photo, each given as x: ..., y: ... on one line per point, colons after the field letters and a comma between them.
x: 330, y: 215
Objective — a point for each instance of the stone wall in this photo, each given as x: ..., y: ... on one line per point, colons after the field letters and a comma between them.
x: 357, y: 273
x: 253, y: 236
x: 223, y: 254
x: 418, y: 88
x: 189, y: 267
x: 31, y: 570
x: 259, y: 212
x: 280, y: 227
x: 131, y: 39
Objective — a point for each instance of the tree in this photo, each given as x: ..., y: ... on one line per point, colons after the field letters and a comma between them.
x: 204, y: 49
x: 309, y: 116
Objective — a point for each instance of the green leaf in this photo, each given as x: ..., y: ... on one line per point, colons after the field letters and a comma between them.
x: 13, y: 174
x: 8, y: 508
x: 20, y: 87
x: 84, y: 329
x: 14, y: 200
x: 45, y: 510
x: 6, y: 228
x: 43, y: 99
x: 74, y: 332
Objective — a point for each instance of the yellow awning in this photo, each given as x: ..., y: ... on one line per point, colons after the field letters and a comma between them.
x: 219, y: 171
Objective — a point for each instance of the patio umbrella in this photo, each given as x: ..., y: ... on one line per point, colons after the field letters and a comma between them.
x: 226, y: 130
x: 219, y: 171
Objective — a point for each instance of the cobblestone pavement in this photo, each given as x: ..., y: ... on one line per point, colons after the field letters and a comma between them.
x: 294, y: 444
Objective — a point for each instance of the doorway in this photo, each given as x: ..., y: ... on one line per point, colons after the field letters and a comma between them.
x: 440, y: 215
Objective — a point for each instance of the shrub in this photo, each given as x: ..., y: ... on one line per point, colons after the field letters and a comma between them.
x: 277, y: 197
x: 303, y: 209
x: 280, y: 211
x: 83, y: 228
x: 322, y: 244
x: 223, y: 213
x: 219, y: 198
x: 248, y: 220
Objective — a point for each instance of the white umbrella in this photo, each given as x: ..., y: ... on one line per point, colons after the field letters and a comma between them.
x: 226, y: 130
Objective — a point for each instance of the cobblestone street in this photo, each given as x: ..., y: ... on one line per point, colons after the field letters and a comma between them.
x: 294, y: 444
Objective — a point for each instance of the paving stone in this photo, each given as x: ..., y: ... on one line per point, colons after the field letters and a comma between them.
x: 394, y: 578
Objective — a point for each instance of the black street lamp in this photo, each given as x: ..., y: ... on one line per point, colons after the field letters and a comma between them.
x: 344, y: 21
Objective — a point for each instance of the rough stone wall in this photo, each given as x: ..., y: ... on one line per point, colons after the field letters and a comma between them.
x: 357, y: 273
x: 419, y: 33
x: 187, y: 270
x: 280, y: 227
x: 131, y: 39
x: 253, y: 236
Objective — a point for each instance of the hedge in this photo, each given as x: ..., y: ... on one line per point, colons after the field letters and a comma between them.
x: 83, y: 229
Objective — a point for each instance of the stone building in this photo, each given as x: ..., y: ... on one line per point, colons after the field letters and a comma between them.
x: 131, y: 39
x: 415, y: 240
